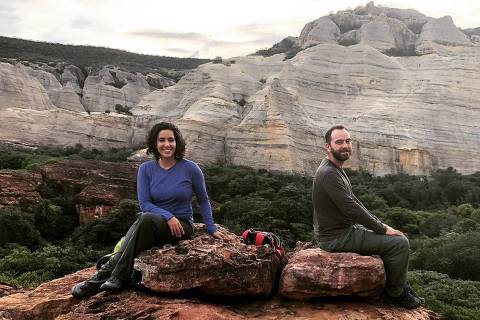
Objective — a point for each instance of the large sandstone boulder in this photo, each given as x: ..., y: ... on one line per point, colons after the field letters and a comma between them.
x: 313, y: 273
x: 389, y: 36
x: 440, y: 31
x: 225, y: 267
x: 322, y: 30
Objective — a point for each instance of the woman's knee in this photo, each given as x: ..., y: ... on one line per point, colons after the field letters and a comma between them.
x: 148, y: 218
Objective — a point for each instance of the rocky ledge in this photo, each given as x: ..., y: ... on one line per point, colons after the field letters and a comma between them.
x: 207, y: 266
x: 98, y: 186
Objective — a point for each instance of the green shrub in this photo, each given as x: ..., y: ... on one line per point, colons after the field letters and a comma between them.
x: 457, y: 255
x: 17, y: 226
x: 29, y: 269
x: 452, y: 299
x: 105, y: 231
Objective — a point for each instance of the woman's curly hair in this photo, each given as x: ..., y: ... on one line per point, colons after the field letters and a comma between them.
x: 152, y: 136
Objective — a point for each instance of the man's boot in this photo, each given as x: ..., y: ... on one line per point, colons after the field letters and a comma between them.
x: 405, y: 300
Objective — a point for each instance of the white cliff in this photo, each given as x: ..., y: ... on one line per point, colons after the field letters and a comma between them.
x: 406, y: 86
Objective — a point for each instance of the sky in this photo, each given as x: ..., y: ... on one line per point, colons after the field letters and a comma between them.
x: 191, y: 28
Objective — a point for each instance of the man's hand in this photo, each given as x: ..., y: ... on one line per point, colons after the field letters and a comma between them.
x: 175, y: 227
x: 392, y: 232
x: 218, y: 235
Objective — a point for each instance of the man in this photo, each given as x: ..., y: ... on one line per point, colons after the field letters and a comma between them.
x: 343, y: 224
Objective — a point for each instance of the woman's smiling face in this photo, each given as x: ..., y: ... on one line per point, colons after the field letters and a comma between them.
x: 166, y: 144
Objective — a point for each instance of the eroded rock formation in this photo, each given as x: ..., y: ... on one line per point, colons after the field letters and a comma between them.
x: 313, y: 273
x: 97, y: 185
x: 404, y: 84
x: 19, y: 188
x: 225, y: 267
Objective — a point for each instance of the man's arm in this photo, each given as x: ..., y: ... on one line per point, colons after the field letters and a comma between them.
x: 340, y: 195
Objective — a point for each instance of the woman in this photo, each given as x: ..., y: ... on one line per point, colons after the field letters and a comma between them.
x: 164, y: 188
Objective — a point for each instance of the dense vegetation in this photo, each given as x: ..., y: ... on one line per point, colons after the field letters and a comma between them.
x: 440, y: 214
x: 88, y: 56
x: 32, y: 158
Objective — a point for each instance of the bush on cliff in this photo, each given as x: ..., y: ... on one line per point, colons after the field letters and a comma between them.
x: 104, y: 232
x: 30, y: 268
x: 17, y: 226
x: 455, y: 254
x: 453, y: 299
x: 32, y: 159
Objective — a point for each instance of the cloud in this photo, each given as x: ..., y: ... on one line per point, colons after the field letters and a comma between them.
x: 181, y: 51
x: 81, y: 23
x: 161, y: 34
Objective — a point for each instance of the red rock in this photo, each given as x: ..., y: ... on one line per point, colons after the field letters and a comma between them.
x: 224, y: 267
x: 45, y: 302
x: 52, y: 300
x: 6, y: 289
x: 314, y: 273
x: 101, y: 185
x: 19, y: 188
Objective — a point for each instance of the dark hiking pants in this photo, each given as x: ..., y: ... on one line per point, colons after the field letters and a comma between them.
x: 147, y: 231
x: 393, y: 250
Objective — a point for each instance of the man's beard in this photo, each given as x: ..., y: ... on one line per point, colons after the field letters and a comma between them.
x: 341, y: 155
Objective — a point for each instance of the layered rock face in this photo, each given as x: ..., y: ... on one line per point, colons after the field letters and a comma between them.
x: 405, y: 114
x: 225, y: 267
x: 101, y: 185
x: 19, y: 188
x: 313, y: 273
x: 98, y: 186
x: 47, y: 105
x: 403, y: 83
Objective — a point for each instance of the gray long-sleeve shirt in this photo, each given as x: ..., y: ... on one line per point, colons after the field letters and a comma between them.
x: 335, y: 207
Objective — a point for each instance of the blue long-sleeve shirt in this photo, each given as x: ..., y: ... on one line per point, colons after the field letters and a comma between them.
x: 169, y: 192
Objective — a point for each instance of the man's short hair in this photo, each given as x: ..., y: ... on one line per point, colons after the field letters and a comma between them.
x: 328, y: 134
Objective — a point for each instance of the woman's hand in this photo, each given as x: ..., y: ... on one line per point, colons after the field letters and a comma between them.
x: 218, y: 235
x: 175, y: 227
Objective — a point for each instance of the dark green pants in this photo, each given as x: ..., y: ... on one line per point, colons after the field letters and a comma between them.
x: 393, y: 250
x: 147, y: 231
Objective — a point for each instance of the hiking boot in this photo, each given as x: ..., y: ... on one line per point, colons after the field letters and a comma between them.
x: 405, y: 300
x: 86, y: 289
x: 411, y: 291
x: 113, y: 285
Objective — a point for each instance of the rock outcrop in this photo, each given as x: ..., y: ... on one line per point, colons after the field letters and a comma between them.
x: 7, y: 289
x: 404, y: 84
x: 225, y: 267
x: 397, y: 32
x: 100, y: 185
x: 313, y: 273
x: 97, y: 186
x: 113, y: 88
x: 19, y: 188
x: 53, y: 300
